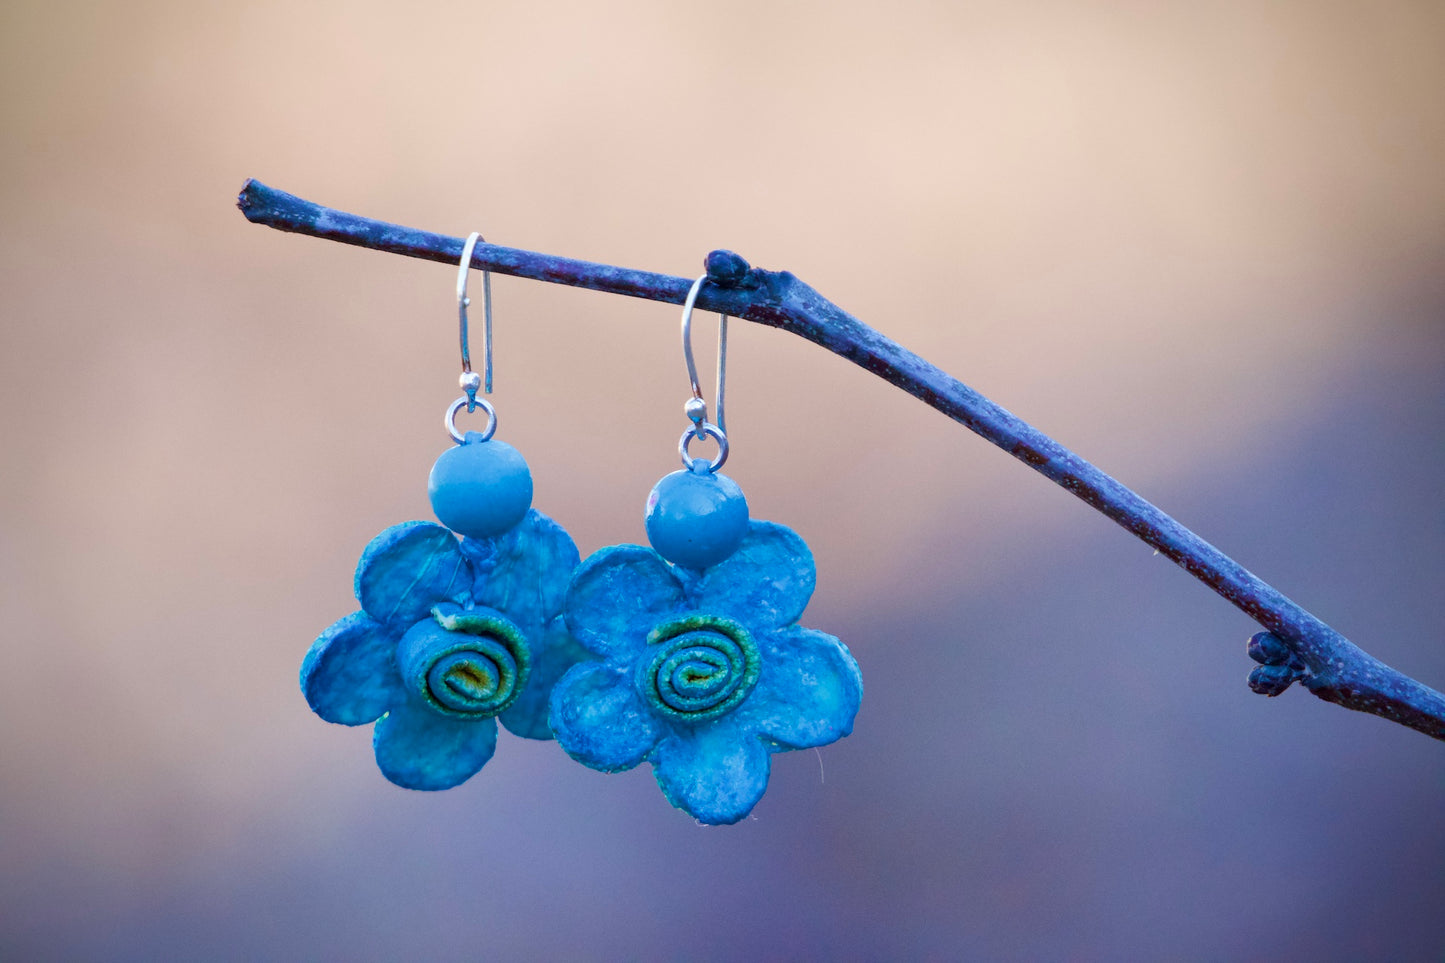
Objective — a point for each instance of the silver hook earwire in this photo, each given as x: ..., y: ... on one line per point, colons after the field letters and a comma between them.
x: 470, y: 384
x: 722, y: 368
x: 697, y: 408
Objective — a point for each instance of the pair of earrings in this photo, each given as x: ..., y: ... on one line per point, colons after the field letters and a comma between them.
x: 686, y: 655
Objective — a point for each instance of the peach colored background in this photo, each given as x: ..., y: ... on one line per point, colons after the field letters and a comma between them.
x: 1201, y: 244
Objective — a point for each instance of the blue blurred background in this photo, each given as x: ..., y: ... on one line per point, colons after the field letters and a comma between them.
x: 1202, y: 245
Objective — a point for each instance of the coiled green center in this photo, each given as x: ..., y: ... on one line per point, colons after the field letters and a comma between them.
x: 698, y: 667
x: 470, y: 664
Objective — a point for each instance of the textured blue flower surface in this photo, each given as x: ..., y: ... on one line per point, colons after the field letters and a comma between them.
x: 702, y: 674
x: 452, y: 635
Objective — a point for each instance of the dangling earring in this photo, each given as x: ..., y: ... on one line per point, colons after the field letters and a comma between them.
x: 453, y: 633
x: 705, y: 671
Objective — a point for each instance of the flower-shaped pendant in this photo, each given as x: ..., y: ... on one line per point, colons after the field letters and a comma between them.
x: 704, y: 674
x: 453, y: 634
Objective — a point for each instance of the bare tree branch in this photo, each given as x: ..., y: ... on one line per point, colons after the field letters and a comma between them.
x: 1296, y: 646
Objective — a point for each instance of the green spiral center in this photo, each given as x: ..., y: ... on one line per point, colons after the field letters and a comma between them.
x: 471, y: 664
x: 698, y: 667
x: 478, y: 680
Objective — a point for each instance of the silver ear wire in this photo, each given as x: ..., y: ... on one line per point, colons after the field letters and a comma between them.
x: 469, y: 381
x: 696, y: 407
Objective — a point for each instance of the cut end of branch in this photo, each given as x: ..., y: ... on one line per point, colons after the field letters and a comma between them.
x: 246, y: 200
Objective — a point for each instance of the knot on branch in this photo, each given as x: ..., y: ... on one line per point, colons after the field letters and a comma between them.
x: 728, y: 270
x: 1278, y: 668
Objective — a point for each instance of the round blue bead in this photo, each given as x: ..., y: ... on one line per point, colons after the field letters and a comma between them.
x: 696, y: 518
x: 480, y: 489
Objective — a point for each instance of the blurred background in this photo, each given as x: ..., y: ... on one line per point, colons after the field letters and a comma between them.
x: 1200, y: 244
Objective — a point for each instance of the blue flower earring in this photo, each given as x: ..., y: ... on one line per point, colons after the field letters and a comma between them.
x: 704, y: 671
x: 459, y: 625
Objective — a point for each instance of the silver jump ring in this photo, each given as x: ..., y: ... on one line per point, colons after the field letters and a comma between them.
x: 712, y: 431
x: 463, y: 402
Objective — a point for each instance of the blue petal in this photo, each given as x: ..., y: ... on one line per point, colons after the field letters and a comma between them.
x: 616, y: 597
x: 599, y: 720
x: 525, y: 577
x: 349, y: 675
x: 765, y: 584
x: 714, y: 772
x: 409, y: 568
x: 419, y: 748
x: 808, y: 692
x: 556, y: 652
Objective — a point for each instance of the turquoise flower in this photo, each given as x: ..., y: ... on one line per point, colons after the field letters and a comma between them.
x: 704, y: 674
x: 453, y: 634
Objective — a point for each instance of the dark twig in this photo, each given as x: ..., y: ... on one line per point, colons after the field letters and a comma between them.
x: 1296, y: 646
